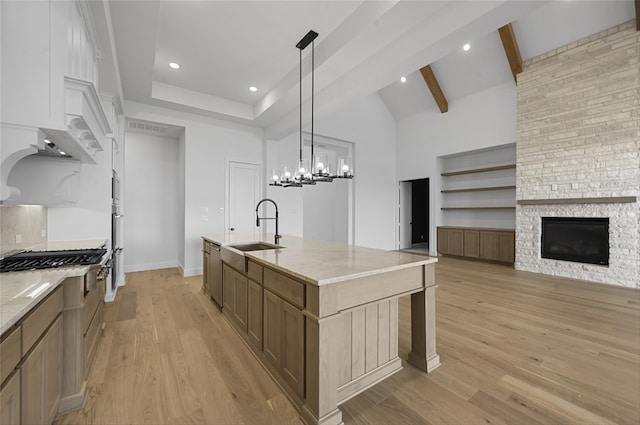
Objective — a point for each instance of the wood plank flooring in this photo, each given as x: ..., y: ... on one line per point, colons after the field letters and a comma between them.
x: 516, y: 348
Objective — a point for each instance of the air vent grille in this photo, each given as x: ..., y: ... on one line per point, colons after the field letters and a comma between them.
x: 147, y: 127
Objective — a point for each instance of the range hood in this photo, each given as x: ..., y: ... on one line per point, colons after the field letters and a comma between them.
x: 80, y: 136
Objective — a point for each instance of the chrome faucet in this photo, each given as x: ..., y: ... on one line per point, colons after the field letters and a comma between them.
x: 258, y: 218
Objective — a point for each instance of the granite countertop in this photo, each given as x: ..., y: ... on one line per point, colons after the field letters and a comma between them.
x: 321, y: 262
x: 21, y: 291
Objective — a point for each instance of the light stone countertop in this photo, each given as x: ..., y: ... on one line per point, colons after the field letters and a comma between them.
x: 321, y: 262
x: 16, y: 287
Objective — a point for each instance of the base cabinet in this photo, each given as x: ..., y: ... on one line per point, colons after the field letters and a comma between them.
x: 254, y: 319
x: 235, y: 296
x: 10, y: 400
x: 284, y: 340
x: 206, y: 267
x: 493, y: 245
x: 41, y: 378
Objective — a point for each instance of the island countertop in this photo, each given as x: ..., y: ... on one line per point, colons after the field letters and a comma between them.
x: 320, y: 262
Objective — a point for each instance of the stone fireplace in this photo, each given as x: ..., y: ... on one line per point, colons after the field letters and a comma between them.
x: 578, y: 151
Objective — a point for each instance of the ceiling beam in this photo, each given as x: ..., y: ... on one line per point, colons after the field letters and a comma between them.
x: 434, y: 87
x: 511, y: 49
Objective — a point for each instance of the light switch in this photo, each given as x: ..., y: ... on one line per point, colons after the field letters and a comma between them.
x: 18, y: 239
x: 43, y: 233
x: 221, y: 210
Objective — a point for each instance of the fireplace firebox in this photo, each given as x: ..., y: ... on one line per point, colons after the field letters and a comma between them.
x: 577, y: 239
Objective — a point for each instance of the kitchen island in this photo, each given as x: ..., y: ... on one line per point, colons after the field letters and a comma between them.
x: 322, y: 317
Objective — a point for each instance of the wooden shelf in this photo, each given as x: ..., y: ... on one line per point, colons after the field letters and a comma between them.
x: 565, y: 201
x: 477, y: 189
x: 478, y: 208
x: 479, y: 170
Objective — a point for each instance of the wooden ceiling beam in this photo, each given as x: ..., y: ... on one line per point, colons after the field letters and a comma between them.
x: 512, y: 50
x: 434, y: 87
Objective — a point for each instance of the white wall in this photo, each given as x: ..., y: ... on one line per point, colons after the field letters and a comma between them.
x: 151, y: 192
x: 369, y: 124
x: 208, y: 145
x: 482, y: 120
x: 90, y: 217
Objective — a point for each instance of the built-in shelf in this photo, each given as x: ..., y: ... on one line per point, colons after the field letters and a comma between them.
x: 477, y: 208
x: 566, y: 201
x: 479, y: 170
x: 477, y: 189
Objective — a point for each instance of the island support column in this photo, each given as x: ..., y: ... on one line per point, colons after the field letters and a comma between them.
x: 423, y: 324
x: 321, y: 405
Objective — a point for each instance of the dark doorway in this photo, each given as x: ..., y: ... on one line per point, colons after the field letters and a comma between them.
x: 419, y: 211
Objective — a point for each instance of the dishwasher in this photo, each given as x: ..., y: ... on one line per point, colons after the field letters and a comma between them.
x: 216, y: 274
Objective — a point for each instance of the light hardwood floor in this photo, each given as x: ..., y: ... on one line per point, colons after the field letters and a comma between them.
x: 516, y: 348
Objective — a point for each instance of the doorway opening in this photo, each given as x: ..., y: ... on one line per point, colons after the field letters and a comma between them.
x: 414, y: 215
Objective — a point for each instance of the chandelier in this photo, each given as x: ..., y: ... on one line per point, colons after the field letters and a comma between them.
x: 318, y: 169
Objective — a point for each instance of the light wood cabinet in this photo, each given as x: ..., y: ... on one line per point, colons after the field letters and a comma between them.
x: 284, y: 340
x: 254, y: 319
x: 41, y: 378
x: 493, y: 245
x: 206, y: 267
x: 450, y: 241
x: 471, y: 245
x: 497, y: 246
x: 292, y: 358
x: 10, y: 400
x: 272, y: 328
x: 235, y: 296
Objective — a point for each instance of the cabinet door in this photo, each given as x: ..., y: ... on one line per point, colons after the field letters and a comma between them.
x: 53, y: 379
x: 471, y: 243
x: 254, y: 320
x: 292, y: 352
x: 241, y: 300
x: 497, y: 246
x: 10, y: 401
x: 41, y: 378
x: 456, y: 242
x: 443, y: 241
x: 272, y: 330
x: 228, y: 290
x: 206, y: 272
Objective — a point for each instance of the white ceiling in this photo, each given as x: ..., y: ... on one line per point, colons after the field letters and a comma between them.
x: 363, y: 47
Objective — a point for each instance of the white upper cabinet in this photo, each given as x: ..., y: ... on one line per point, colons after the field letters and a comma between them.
x: 49, y: 77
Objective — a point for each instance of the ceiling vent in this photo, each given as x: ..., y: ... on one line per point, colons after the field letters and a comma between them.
x: 147, y: 127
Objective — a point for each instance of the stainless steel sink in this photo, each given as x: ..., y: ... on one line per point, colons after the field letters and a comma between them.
x: 255, y: 246
x: 233, y: 255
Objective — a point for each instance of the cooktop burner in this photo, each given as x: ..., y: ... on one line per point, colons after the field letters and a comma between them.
x: 33, y: 260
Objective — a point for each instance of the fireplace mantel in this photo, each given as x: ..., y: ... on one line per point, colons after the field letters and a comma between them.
x: 567, y: 201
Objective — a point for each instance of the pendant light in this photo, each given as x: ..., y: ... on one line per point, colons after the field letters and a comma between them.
x: 318, y: 169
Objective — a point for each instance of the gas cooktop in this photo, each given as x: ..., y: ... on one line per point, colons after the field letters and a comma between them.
x: 34, y: 260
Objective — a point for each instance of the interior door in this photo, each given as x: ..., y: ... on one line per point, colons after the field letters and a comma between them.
x: 420, y: 211
x: 244, y: 195
x: 404, y: 215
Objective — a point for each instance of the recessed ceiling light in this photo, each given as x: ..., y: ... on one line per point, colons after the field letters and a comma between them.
x: 174, y: 65
x: 63, y: 153
x: 466, y: 47
x: 403, y: 79
x: 253, y: 88
x: 47, y: 141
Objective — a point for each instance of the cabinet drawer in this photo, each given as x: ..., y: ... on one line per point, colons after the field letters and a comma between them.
x: 40, y: 318
x: 10, y: 352
x: 91, y: 339
x: 285, y: 287
x: 254, y: 271
x: 91, y: 302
